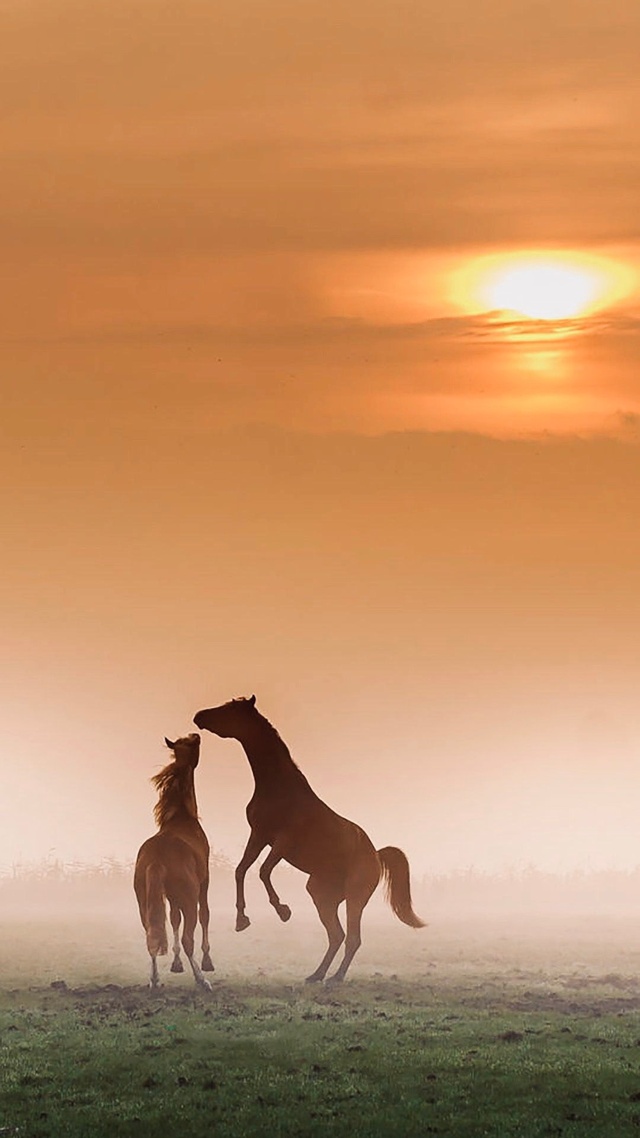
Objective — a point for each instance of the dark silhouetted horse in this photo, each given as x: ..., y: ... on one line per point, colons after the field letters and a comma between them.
x: 288, y: 816
x: 174, y: 864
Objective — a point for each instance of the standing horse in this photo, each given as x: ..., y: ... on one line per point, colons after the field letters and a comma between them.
x: 287, y: 815
x: 174, y: 864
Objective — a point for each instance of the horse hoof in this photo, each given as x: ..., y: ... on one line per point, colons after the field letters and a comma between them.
x: 207, y: 963
x: 242, y: 923
x: 177, y: 965
x: 313, y: 979
x: 333, y: 980
x: 284, y: 912
x: 206, y: 985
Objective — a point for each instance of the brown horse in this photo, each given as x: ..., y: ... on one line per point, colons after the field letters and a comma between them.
x: 300, y: 828
x: 174, y: 864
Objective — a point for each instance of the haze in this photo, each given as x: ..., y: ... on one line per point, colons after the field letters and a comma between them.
x: 254, y: 440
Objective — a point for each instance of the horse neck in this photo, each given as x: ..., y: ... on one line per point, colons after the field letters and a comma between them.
x: 184, y: 809
x: 189, y: 803
x: 269, y: 756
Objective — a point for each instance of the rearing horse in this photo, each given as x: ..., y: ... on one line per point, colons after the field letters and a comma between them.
x: 174, y: 864
x: 287, y: 815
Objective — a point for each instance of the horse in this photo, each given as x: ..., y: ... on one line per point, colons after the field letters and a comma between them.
x: 174, y: 864
x: 285, y: 814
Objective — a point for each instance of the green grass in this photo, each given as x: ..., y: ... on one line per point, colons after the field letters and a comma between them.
x: 379, y: 1058
x: 479, y: 1038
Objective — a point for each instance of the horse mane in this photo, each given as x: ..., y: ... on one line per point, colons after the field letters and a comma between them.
x: 276, y: 738
x: 172, y: 784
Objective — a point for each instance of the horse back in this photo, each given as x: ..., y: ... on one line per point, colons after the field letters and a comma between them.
x: 175, y: 856
x: 190, y: 833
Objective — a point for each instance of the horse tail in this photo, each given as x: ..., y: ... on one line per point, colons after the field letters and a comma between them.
x: 156, y: 923
x: 395, y: 870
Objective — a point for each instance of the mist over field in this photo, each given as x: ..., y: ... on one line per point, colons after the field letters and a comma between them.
x: 80, y: 923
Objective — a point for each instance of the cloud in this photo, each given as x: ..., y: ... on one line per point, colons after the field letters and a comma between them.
x: 178, y: 178
x: 176, y: 128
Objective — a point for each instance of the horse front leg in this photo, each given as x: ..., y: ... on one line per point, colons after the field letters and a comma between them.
x: 266, y: 869
x: 253, y: 849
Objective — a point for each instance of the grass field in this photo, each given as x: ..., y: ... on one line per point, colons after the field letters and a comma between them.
x: 465, y: 1028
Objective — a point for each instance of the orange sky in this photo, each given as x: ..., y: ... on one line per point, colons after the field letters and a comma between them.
x: 253, y: 439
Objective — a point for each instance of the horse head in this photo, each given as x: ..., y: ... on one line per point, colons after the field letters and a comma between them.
x: 227, y: 720
x: 186, y: 749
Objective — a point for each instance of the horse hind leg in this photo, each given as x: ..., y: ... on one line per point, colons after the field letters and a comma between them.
x: 356, y: 900
x: 352, y: 943
x: 175, y: 917
x: 145, y: 916
x: 154, y: 980
x: 188, y: 929
x: 203, y: 915
x: 266, y: 869
x: 327, y: 905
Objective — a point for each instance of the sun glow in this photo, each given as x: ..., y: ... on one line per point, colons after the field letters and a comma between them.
x: 542, y: 286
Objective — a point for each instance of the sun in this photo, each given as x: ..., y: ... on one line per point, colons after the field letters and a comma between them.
x: 541, y: 286
x: 544, y: 291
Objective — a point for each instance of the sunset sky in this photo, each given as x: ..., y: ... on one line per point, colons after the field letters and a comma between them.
x: 320, y: 340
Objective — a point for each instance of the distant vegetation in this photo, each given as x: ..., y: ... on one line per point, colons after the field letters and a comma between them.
x: 67, y: 884
x: 531, y: 890
x: 103, y: 885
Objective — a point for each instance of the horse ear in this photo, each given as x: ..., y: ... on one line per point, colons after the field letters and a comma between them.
x: 252, y: 700
x: 170, y: 745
